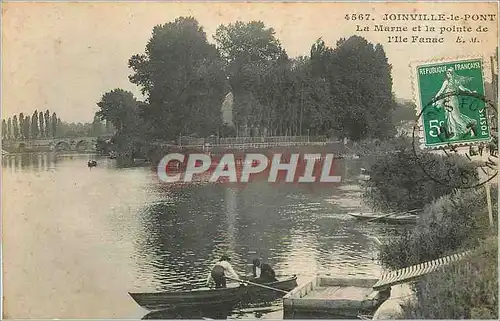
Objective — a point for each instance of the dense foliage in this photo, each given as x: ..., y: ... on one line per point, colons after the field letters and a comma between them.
x: 452, y: 222
x: 184, y: 79
x: 465, y: 290
x: 398, y: 181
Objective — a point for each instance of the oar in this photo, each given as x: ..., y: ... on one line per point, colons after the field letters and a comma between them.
x: 410, y: 211
x: 257, y: 284
x: 392, y: 213
x: 377, y: 218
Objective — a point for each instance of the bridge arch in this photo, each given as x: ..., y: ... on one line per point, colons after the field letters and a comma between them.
x: 62, y: 145
x: 81, y: 145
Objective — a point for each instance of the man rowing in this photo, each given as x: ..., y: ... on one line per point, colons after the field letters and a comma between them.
x: 263, y: 272
x: 218, y: 273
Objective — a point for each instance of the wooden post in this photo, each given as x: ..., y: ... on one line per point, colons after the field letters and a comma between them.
x: 494, y: 77
x: 494, y: 81
x: 487, y: 186
x: 488, y: 200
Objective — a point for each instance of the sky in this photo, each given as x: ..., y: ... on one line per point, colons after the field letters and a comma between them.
x: 64, y: 56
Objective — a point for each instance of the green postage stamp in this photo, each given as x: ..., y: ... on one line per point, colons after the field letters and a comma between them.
x: 450, y: 99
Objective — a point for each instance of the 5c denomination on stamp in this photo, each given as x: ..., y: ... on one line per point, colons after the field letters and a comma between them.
x: 449, y: 100
x: 453, y: 114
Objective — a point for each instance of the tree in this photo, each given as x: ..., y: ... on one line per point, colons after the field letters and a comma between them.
x: 182, y: 76
x: 26, y: 127
x: 9, y: 129
x: 59, y: 128
x: 404, y: 111
x: 4, y: 130
x: 41, y: 125
x: 21, y: 126
x: 241, y: 43
x: 34, y: 125
x: 97, y: 127
x: 47, y: 123
x: 258, y: 68
x: 15, y: 127
x: 362, y: 106
x: 120, y: 108
x: 53, y: 122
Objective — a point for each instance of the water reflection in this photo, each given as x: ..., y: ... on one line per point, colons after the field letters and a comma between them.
x: 31, y: 161
x: 129, y: 232
x: 191, y: 313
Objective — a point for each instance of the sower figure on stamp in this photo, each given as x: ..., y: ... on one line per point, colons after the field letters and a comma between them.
x: 218, y: 273
x: 457, y: 124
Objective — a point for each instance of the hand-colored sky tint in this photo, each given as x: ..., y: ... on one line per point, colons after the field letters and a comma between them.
x: 64, y: 56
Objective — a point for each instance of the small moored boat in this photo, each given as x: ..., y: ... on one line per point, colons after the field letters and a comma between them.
x: 334, y: 298
x: 92, y: 163
x: 392, y: 218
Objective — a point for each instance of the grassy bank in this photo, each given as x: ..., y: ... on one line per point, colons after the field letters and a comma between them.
x: 451, y: 221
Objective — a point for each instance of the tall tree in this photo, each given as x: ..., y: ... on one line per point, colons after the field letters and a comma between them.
x: 107, y: 126
x: 41, y: 125
x: 182, y: 76
x: 255, y: 63
x: 120, y: 108
x: 241, y: 43
x: 21, y: 126
x: 53, y: 122
x: 359, y: 77
x: 4, y: 130
x: 34, y: 125
x: 59, y: 128
x: 97, y: 127
x: 26, y: 127
x: 9, y: 129
x: 15, y: 127
x: 47, y: 123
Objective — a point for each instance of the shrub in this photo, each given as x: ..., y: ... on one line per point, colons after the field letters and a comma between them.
x: 448, y: 224
x: 398, y: 182
x: 468, y: 289
x: 369, y: 148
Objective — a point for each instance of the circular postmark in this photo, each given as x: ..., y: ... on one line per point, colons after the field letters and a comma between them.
x: 455, y: 139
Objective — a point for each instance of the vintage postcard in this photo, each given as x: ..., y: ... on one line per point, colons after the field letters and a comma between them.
x: 249, y: 160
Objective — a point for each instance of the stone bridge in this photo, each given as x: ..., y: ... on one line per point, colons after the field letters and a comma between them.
x: 82, y: 144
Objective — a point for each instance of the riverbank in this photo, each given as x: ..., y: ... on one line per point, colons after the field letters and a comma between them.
x: 451, y: 220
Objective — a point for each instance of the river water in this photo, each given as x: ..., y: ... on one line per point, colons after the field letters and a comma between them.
x: 76, y: 240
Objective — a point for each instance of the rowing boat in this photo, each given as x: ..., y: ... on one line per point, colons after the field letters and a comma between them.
x: 390, y: 219
x: 202, y: 297
x: 208, y: 298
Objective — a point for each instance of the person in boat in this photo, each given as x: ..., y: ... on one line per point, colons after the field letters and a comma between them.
x: 219, y: 271
x: 263, y: 272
